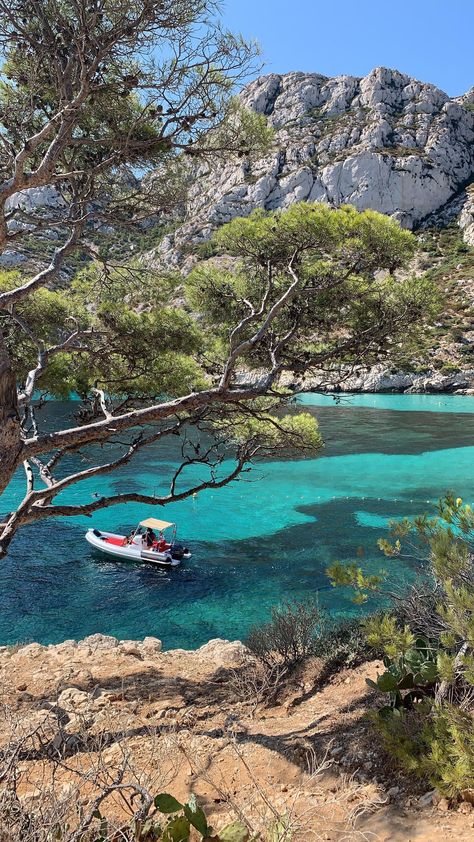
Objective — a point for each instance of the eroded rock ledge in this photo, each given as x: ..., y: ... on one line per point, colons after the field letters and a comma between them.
x: 382, y: 378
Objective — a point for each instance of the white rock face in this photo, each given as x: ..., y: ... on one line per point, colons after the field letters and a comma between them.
x: 386, y: 141
x: 380, y: 378
x: 466, y: 218
x: 36, y: 197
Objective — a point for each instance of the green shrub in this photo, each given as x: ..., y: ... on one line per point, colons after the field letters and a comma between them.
x: 290, y: 636
x: 449, y: 759
x: 344, y: 644
x: 411, y: 673
x: 436, y: 746
x: 427, y: 722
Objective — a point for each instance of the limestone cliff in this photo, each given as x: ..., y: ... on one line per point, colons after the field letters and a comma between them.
x: 385, y: 141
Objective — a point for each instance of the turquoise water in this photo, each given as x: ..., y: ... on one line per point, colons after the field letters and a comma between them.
x: 395, y: 402
x: 260, y: 541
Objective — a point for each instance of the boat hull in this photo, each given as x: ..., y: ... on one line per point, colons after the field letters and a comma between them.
x: 110, y: 544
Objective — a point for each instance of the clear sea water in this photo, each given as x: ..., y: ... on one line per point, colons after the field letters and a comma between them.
x: 255, y: 543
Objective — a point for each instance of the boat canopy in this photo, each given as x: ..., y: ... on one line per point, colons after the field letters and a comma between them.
x: 153, y: 523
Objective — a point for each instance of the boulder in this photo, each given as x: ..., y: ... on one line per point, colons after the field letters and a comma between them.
x: 151, y: 645
x: 73, y: 700
x: 224, y: 653
x: 99, y: 641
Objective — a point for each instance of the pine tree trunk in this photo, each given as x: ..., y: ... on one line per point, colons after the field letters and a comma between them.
x: 10, y: 431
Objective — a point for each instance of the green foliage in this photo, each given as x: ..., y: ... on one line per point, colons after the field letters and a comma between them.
x: 352, y: 575
x: 434, y: 739
x: 255, y: 133
x: 343, y: 643
x: 136, y: 79
x: 450, y: 757
x: 383, y: 631
x: 407, y: 734
x: 290, y: 636
x: 140, y: 345
x: 296, y: 431
x: 412, y: 666
x: 344, y: 262
x: 178, y: 825
x: 436, y: 745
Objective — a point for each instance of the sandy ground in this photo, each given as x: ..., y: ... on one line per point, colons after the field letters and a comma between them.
x: 178, y: 721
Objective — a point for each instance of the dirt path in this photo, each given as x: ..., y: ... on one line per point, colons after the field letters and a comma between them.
x: 176, y: 718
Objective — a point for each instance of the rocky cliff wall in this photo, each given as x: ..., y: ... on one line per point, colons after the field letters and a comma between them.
x: 385, y: 141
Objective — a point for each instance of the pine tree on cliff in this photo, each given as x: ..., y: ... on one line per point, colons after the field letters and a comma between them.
x: 103, y: 104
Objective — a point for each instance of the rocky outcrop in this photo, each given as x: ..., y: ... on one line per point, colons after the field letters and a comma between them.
x: 386, y: 141
x: 466, y: 217
x: 78, y: 716
x: 381, y: 378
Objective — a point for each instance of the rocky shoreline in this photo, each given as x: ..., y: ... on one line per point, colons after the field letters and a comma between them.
x: 382, y: 378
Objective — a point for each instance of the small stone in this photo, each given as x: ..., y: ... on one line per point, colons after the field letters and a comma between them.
x: 63, y: 648
x: 468, y: 795
x: 83, y: 677
x: 132, y: 651
x: 99, y: 641
x: 21, y: 687
x: 25, y: 697
x: 427, y: 800
x: 393, y: 791
x: 443, y: 805
x: 73, y: 699
x: 57, y: 741
x: 466, y: 807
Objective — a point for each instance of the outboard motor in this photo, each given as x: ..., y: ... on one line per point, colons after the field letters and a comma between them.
x: 178, y: 551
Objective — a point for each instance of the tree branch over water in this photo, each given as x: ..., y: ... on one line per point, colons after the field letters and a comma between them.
x: 104, y: 105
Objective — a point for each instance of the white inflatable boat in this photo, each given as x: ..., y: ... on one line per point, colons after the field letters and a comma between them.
x: 142, y: 544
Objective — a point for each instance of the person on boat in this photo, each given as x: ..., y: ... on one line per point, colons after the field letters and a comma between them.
x: 130, y: 537
x: 161, y: 543
x: 149, y: 537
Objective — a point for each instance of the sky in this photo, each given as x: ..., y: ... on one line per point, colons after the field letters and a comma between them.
x: 432, y: 40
